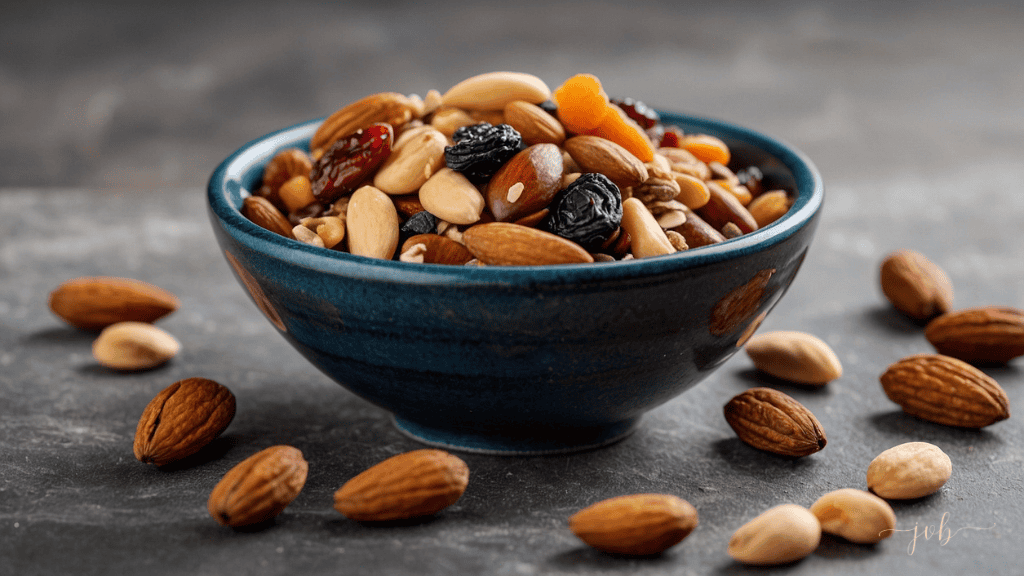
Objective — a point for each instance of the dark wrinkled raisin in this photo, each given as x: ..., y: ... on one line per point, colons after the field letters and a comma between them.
x: 587, y: 212
x: 350, y: 161
x: 639, y: 112
x: 422, y: 222
x: 752, y: 178
x: 481, y: 149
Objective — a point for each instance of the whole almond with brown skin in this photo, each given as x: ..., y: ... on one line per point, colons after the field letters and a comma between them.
x: 635, y: 525
x: 389, y: 107
x: 538, y: 169
x: 945, y: 390
x: 915, y: 285
x: 409, y: 485
x: 93, y: 303
x: 507, y: 244
x: 181, y: 419
x: 795, y: 357
x: 259, y: 488
x: 722, y: 208
x: 596, y: 154
x: 265, y: 215
x: 533, y: 123
x: 772, y: 421
x: 985, y: 335
x: 439, y: 249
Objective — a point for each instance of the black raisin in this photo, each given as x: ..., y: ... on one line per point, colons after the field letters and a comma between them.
x: 588, y: 211
x: 639, y: 112
x: 481, y: 149
x: 422, y: 222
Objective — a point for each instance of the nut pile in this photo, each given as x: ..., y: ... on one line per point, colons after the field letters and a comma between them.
x: 501, y: 170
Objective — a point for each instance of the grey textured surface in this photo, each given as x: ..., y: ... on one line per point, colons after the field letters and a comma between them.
x: 112, y: 118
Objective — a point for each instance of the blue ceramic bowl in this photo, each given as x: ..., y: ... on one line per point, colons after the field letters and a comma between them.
x: 525, y: 359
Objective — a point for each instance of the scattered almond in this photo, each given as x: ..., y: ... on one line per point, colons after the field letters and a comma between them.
x: 181, y: 419
x: 910, y: 470
x: 783, y: 534
x: 259, y: 488
x: 134, y: 346
x: 93, y: 303
x: 795, y: 357
x: 409, y: 485
x: 989, y: 335
x: 915, y: 285
x: 635, y: 525
x: 945, y: 390
x: 772, y: 421
x: 856, y: 515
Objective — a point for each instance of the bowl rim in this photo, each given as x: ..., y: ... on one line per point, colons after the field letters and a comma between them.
x: 226, y: 181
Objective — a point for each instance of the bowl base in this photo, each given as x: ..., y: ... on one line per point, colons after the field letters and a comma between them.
x: 530, y: 442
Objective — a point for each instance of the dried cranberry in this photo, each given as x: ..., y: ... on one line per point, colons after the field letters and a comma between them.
x: 672, y: 137
x: 481, y: 149
x: 639, y: 112
x: 350, y: 161
x: 588, y: 211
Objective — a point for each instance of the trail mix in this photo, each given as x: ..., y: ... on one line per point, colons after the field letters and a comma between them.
x: 501, y: 170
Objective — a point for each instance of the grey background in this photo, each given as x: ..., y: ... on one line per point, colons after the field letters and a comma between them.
x: 113, y: 115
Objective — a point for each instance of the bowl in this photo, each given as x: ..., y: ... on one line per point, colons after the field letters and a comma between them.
x: 519, y: 359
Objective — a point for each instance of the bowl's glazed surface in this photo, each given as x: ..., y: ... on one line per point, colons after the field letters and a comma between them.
x: 519, y: 359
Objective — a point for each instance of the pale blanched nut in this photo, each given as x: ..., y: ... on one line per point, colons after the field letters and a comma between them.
x: 856, y: 515
x: 693, y: 192
x: 330, y: 229
x: 307, y: 236
x: 783, y: 534
x: 431, y: 102
x: 647, y: 237
x: 412, y: 162
x: 910, y: 470
x: 795, y: 357
x: 448, y: 120
x: 372, y: 224
x: 134, y: 346
x: 494, y: 90
x: 297, y: 193
x: 452, y: 197
x: 769, y: 207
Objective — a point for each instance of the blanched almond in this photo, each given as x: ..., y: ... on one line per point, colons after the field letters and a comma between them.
x: 372, y: 224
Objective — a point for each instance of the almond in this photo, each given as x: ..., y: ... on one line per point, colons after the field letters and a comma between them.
x: 409, y: 485
x: 412, y: 162
x: 910, y: 470
x: 535, y: 172
x: 265, y: 215
x: 856, y: 515
x: 494, y: 90
x: 134, y: 346
x: 915, y: 285
x: 259, y: 488
x: 795, y: 357
x: 533, y: 123
x: 945, y: 390
x: 722, y: 208
x: 439, y: 249
x: 93, y: 303
x: 371, y: 224
x: 772, y: 421
x: 990, y: 334
x: 389, y: 107
x: 507, y: 244
x: 783, y: 534
x: 596, y: 154
x: 452, y: 197
x: 647, y: 238
x: 181, y: 419
x: 635, y: 525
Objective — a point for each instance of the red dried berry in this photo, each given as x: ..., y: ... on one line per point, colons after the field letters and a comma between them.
x: 672, y: 137
x: 350, y: 161
x: 639, y: 112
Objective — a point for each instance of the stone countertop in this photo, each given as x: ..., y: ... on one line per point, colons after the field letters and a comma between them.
x: 114, y: 117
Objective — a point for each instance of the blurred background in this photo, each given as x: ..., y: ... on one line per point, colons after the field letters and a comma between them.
x: 153, y: 95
